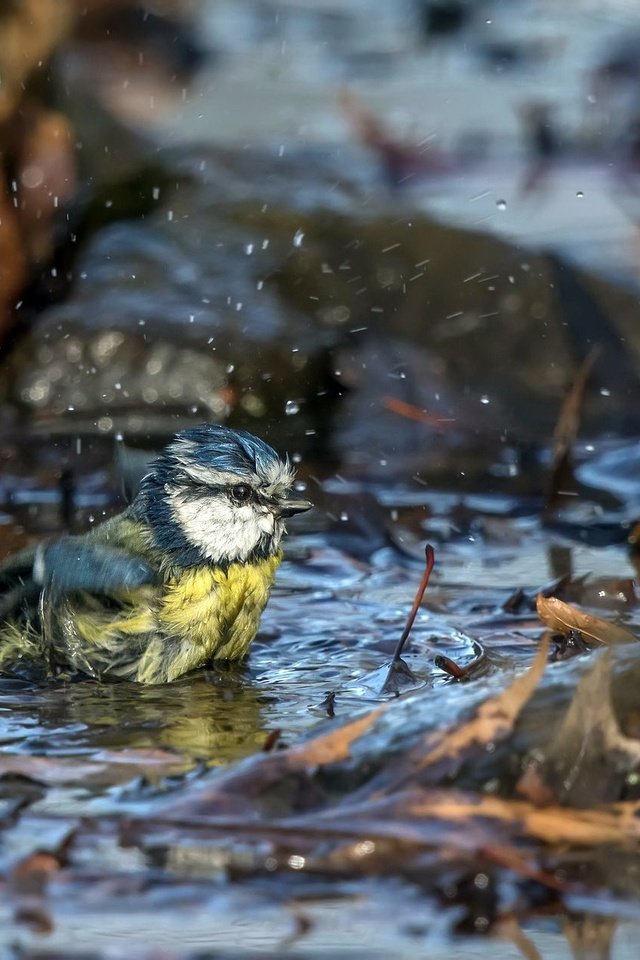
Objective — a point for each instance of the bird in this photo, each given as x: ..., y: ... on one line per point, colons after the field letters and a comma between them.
x: 177, y: 580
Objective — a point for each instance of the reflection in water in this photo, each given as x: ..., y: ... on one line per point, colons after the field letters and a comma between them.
x: 210, y: 717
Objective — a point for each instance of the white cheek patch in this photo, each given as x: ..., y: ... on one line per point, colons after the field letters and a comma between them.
x: 222, y: 530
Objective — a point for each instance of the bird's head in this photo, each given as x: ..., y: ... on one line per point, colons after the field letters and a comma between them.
x: 217, y: 496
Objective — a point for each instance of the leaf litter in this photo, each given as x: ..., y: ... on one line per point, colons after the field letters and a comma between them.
x: 502, y: 800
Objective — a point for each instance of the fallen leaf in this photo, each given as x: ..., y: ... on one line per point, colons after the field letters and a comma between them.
x: 333, y: 746
x: 615, y: 824
x: 589, y: 759
x: 492, y: 721
x: 564, y: 618
x: 419, y: 819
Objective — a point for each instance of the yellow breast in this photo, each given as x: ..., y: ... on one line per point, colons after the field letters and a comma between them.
x: 218, y: 611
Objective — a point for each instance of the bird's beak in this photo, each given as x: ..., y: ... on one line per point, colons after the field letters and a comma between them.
x: 288, y: 508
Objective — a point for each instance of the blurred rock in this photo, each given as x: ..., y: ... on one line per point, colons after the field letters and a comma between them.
x: 264, y: 289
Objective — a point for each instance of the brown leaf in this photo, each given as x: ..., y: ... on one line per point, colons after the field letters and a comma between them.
x: 588, y: 759
x: 564, y: 618
x: 493, y: 720
x: 615, y: 824
x: 425, y: 818
x: 442, y: 752
x: 333, y: 746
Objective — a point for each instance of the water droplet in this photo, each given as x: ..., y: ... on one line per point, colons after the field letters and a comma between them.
x: 300, y: 486
x: 579, y: 194
x: 298, y: 237
x: 484, y: 398
x: 291, y: 407
x: 501, y: 204
x: 248, y: 249
x: 344, y: 516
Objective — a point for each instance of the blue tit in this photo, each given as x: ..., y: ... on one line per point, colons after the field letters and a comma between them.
x: 177, y: 580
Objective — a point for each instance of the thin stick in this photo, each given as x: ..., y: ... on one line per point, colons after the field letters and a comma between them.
x: 430, y: 558
x: 449, y: 666
x: 561, y: 475
x: 411, y: 412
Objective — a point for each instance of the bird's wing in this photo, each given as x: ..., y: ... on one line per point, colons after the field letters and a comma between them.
x: 41, y: 587
x: 71, y: 563
x: 76, y: 563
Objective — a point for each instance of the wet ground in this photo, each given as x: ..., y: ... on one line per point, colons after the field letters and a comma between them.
x: 343, y: 295
x: 95, y: 751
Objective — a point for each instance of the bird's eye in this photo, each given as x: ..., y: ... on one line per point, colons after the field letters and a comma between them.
x: 241, y: 493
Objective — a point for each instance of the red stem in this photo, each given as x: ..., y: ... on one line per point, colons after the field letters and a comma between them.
x: 430, y: 558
